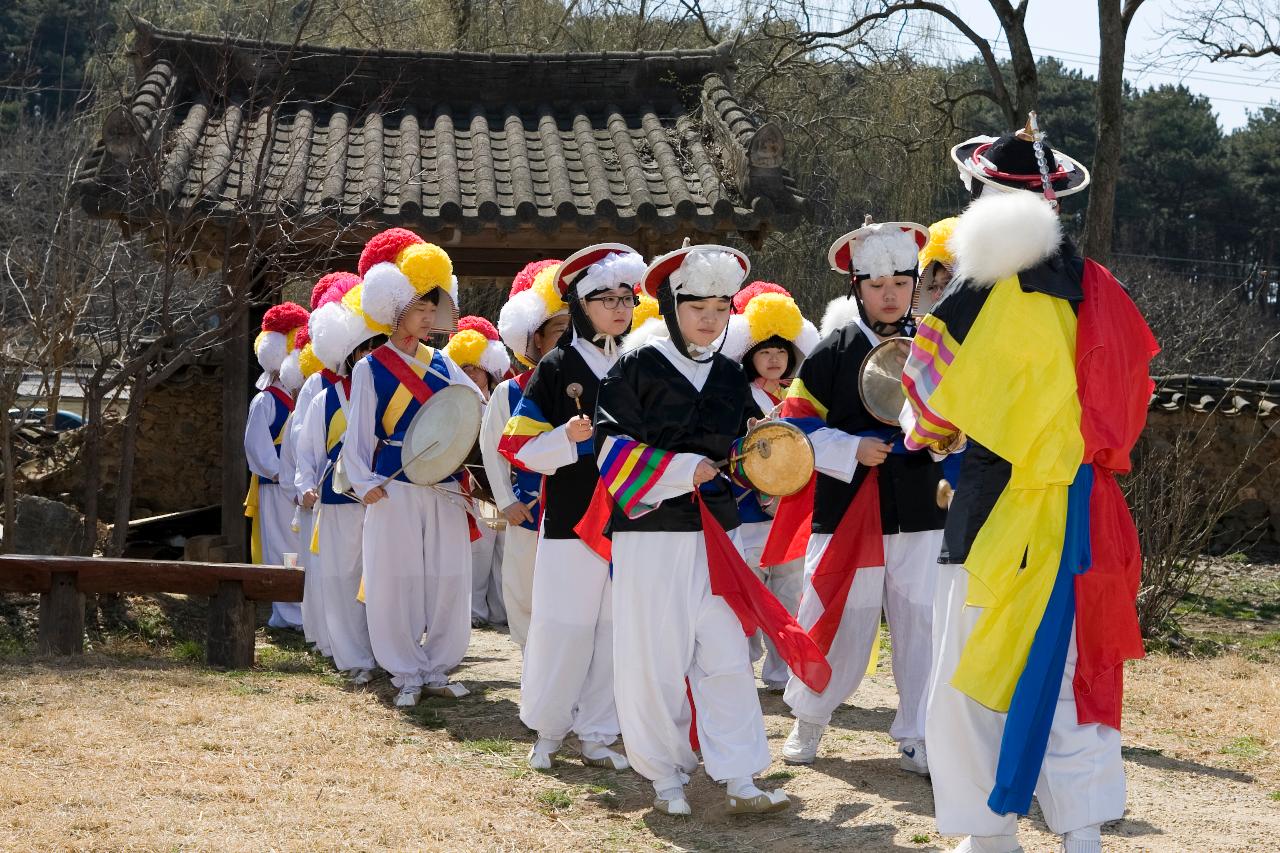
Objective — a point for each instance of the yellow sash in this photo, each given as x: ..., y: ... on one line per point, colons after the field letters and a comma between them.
x: 1012, y: 388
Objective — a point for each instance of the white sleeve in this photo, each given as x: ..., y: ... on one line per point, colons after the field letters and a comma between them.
x: 312, y: 455
x: 496, y: 468
x: 288, y: 455
x: 360, y: 441
x: 835, y: 452
x: 259, y: 449
x: 549, y: 452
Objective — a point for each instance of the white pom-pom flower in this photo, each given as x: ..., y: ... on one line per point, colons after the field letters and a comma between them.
x: 291, y: 372
x: 386, y: 293
x: 271, y: 348
x: 885, y: 251
x: 623, y: 269
x: 708, y: 274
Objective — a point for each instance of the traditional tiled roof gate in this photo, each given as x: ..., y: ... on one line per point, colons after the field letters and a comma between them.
x: 501, y: 157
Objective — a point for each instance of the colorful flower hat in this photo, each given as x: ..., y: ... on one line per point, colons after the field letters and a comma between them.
x: 534, y: 299
x: 397, y: 267
x: 477, y: 343
x: 765, y: 314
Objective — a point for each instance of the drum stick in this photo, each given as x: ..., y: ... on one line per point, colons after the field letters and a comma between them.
x: 574, y: 391
x: 400, y: 470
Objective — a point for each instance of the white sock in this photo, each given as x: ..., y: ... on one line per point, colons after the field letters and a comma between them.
x: 1085, y: 840
x: 596, y: 749
x: 671, y: 794
x: 546, y: 745
x: 993, y: 843
x: 743, y: 788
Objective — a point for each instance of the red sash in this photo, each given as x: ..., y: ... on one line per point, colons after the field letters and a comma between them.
x: 858, y: 543
x: 330, y: 377
x: 757, y: 608
x: 404, y: 374
x: 281, y: 395
x: 591, y: 527
x: 789, y: 533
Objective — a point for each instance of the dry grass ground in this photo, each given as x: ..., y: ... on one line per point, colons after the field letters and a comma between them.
x: 124, y: 750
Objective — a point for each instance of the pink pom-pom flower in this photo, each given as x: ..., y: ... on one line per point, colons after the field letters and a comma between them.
x: 754, y: 289
x: 524, y: 279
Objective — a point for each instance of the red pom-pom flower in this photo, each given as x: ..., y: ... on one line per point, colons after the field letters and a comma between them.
x: 284, y: 318
x: 385, y: 246
x: 480, y: 325
x: 524, y: 279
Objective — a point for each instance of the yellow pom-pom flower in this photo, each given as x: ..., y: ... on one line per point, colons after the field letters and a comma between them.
x: 426, y: 265
x: 308, y: 362
x: 466, y: 347
x: 936, y: 249
x: 257, y: 342
x: 351, y: 299
x: 544, y: 286
x: 646, y: 310
x: 772, y: 314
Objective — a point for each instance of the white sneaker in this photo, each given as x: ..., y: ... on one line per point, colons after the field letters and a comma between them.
x: 802, y: 744
x: 600, y: 755
x: 912, y: 757
x: 408, y: 697
x: 673, y: 803
x: 989, y: 844
x: 448, y: 690
x: 541, y: 757
x: 361, y: 676
x: 765, y: 802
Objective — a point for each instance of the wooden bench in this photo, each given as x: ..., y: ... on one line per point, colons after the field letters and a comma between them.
x: 232, y: 589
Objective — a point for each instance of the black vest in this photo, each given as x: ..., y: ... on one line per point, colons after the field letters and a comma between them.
x: 908, y: 482
x: 646, y: 398
x: 567, y: 492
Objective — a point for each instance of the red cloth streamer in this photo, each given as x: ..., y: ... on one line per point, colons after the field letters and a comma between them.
x: 693, y: 718
x: 858, y: 543
x: 789, y: 533
x: 757, y: 608
x: 590, y: 528
x: 1114, y: 348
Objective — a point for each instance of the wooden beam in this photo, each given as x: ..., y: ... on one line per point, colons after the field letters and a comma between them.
x: 28, y: 573
x: 61, y: 630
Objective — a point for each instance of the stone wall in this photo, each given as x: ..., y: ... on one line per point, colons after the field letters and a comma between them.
x: 1221, y: 444
x: 180, y: 445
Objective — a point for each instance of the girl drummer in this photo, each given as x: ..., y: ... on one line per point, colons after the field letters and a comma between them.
x: 567, y: 682
x: 889, y: 541
x: 769, y: 337
x: 670, y: 406
x: 417, y: 552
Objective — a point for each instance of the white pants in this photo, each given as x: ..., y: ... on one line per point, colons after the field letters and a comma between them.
x: 903, y: 589
x: 275, y: 514
x: 486, y: 575
x: 417, y: 578
x: 313, y: 626
x: 340, y: 564
x: 786, y: 582
x: 669, y: 627
x: 567, y: 681
x: 1082, y: 781
x: 519, y: 552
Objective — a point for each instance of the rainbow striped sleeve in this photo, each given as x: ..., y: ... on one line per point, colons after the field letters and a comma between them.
x: 527, y: 423
x: 932, y: 352
x: 630, y: 470
x: 803, y: 409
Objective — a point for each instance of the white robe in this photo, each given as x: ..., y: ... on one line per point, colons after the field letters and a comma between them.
x: 275, y: 507
x: 312, y: 624
x: 417, y: 554
x: 668, y: 626
x: 519, y: 545
x: 567, y: 681
x: 1082, y: 781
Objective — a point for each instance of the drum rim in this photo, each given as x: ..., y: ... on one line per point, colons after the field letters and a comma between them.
x: 447, y: 392
x: 788, y: 429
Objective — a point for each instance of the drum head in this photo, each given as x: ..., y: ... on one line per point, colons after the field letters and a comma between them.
x: 441, y: 435
x: 880, y: 380
x: 777, y: 458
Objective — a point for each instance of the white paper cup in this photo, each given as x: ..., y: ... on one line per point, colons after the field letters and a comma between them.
x: 290, y: 560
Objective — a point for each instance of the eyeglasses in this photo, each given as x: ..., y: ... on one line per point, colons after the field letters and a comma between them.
x: 613, y: 303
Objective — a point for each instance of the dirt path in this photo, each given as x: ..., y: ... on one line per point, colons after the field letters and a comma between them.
x: 144, y: 754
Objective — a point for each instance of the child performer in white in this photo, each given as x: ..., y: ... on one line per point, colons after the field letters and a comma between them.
x: 530, y: 323
x: 877, y: 527
x: 268, y: 503
x: 341, y: 337
x: 316, y: 378
x: 417, y: 549
x: 477, y: 349
x: 769, y: 337
x: 670, y: 407
x: 567, y: 682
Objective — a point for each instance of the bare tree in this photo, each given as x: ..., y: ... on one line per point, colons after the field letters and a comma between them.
x: 1227, y: 29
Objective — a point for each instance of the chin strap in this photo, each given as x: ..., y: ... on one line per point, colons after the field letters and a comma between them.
x: 608, y: 343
